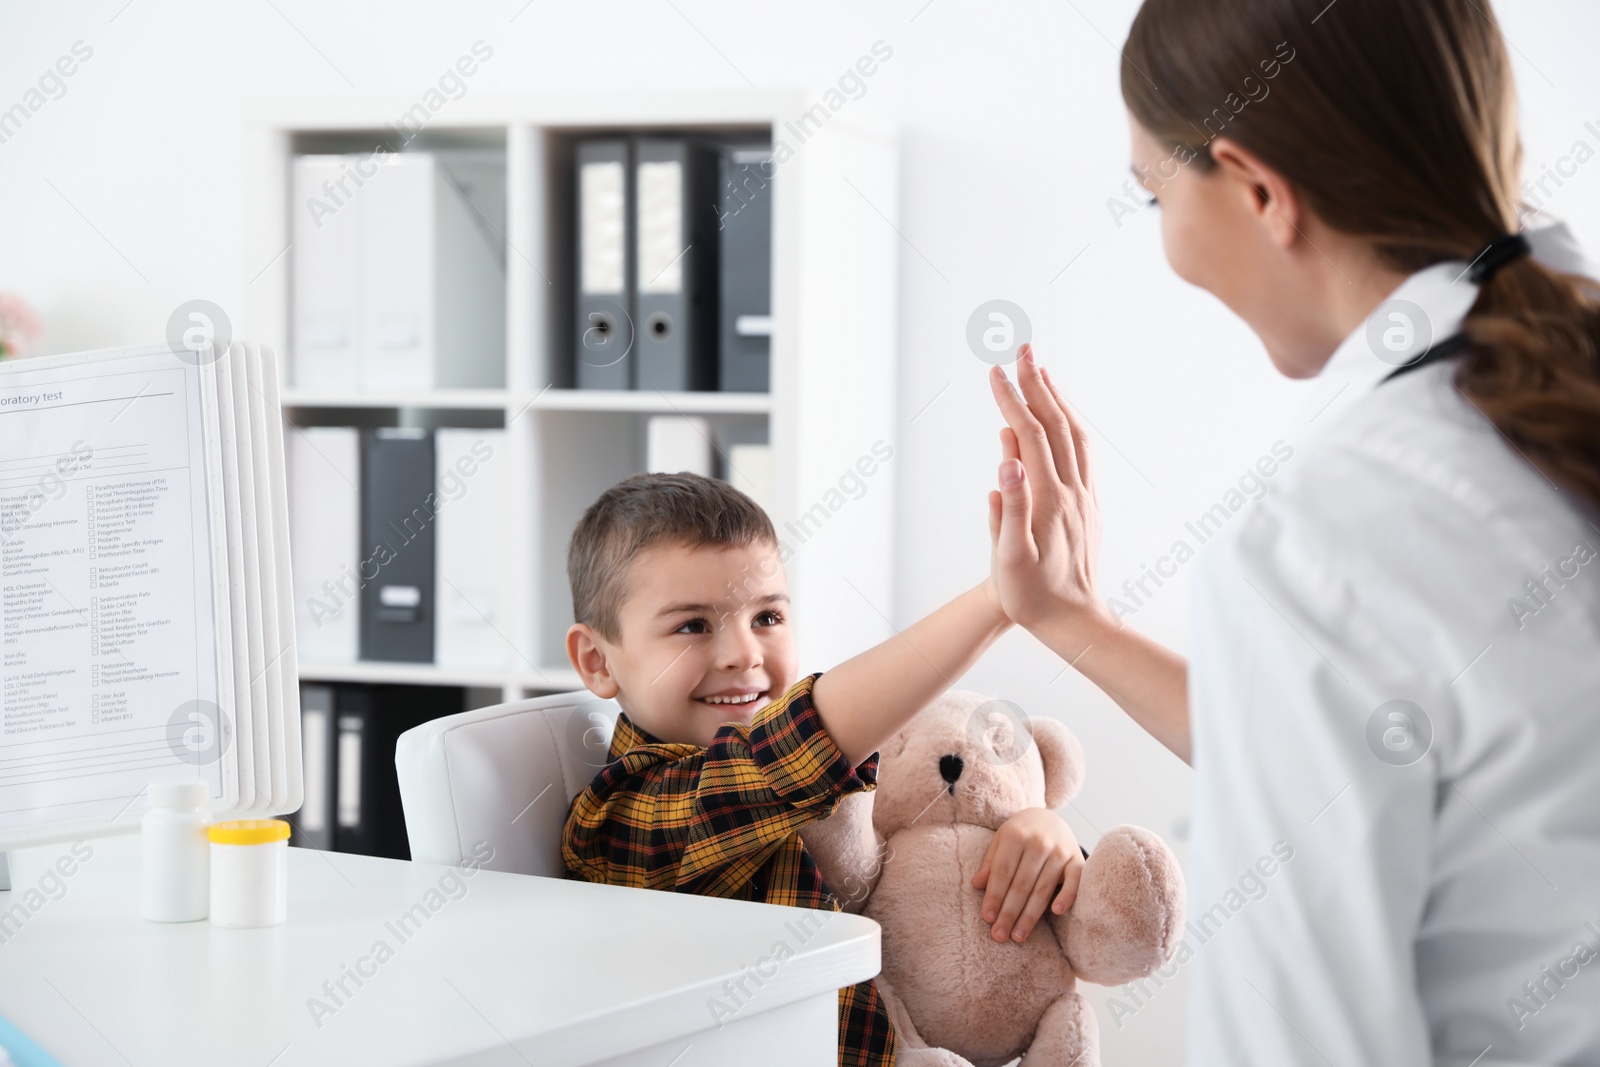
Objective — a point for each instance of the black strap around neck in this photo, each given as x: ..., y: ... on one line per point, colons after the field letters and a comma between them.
x: 1453, y: 345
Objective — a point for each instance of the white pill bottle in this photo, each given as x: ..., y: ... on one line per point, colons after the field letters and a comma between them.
x: 175, y: 854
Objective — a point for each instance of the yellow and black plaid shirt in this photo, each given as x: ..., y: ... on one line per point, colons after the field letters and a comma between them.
x: 724, y: 821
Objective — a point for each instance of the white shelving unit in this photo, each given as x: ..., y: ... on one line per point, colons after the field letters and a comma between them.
x: 835, y: 255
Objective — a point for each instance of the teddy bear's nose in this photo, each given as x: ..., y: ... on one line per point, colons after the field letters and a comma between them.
x: 950, y: 768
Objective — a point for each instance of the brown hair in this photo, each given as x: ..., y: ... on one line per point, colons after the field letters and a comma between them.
x: 1396, y: 121
x: 646, y: 510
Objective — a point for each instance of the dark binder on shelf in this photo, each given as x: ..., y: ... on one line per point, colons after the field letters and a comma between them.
x: 744, y: 212
x: 675, y: 272
x: 603, y: 333
x: 370, y: 820
x: 313, y: 823
x: 352, y: 711
x: 398, y: 543
x: 353, y: 826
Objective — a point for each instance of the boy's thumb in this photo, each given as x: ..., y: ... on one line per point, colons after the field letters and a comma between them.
x: 1016, y: 505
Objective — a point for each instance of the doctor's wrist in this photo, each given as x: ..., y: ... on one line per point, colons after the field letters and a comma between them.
x: 1070, y: 630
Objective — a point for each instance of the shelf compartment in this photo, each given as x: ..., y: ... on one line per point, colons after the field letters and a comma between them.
x: 562, y: 679
x: 447, y: 399
x: 835, y: 262
x: 653, y: 401
x: 375, y: 672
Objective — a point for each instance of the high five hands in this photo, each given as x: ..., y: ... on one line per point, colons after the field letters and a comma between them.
x: 1044, y: 524
x: 1044, y: 520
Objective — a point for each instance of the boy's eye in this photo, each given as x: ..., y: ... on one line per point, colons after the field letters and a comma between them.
x: 1151, y: 201
x: 769, y: 618
x: 694, y: 626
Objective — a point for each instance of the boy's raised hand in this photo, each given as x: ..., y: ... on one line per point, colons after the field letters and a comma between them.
x: 1034, y: 856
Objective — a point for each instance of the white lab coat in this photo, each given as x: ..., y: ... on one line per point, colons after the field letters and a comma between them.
x: 1421, y: 902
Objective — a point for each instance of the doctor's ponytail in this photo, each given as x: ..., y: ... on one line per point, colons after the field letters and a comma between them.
x: 1396, y: 121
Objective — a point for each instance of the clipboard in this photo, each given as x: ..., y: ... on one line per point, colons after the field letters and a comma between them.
x: 161, y: 504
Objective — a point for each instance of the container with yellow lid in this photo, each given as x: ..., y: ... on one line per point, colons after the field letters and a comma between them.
x: 249, y: 872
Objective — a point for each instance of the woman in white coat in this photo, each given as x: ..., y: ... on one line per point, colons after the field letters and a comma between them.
x: 1393, y: 707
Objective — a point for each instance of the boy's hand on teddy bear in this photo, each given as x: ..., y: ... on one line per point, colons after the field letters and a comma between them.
x: 1034, y: 856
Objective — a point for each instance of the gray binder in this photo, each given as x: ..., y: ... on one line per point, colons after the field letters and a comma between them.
x: 675, y: 275
x: 744, y: 211
x: 603, y: 333
x: 398, y: 542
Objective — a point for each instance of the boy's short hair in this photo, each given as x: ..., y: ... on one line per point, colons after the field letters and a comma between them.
x: 646, y: 510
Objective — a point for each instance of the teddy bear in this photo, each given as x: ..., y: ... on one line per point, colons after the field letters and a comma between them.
x: 904, y: 855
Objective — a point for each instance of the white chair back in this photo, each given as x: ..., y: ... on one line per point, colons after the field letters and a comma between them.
x: 504, y: 777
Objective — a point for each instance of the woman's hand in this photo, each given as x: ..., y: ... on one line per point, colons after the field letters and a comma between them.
x: 1045, y: 519
x: 1033, y: 857
x: 1045, y: 532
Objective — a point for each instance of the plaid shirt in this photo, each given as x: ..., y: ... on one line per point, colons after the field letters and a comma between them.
x: 723, y: 822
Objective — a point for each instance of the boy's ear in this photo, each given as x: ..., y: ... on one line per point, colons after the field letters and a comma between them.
x: 588, y: 658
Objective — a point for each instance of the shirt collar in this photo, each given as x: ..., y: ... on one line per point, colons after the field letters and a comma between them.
x: 1426, y: 308
x: 626, y: 736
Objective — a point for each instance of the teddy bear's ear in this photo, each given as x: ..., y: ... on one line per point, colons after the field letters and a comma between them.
x: 1063, y: 760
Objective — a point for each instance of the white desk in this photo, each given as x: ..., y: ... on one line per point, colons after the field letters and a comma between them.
x: 516, y: 970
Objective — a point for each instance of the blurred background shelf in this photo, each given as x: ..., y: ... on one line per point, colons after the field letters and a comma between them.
x: 562, y: 679
x: 447, y: 399
x: 653, y: 401
x: 514, y: 684
x: 495, y: 394
x: 646, y: 401
x: 377, y: 673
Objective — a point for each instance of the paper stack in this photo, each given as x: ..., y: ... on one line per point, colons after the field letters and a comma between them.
x: 144, y: 589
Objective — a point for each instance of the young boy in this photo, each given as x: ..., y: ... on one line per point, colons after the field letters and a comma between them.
x: 721, y: 754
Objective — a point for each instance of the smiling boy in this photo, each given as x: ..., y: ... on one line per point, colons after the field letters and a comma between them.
x: 721, y: 756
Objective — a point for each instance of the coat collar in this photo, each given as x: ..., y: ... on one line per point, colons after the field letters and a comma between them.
x: 1426, y: 308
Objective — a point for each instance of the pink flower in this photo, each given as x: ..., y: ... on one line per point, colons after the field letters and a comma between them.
x: 19, y: 324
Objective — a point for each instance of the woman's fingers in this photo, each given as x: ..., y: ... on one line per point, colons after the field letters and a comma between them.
x: 1032, y: 441
x: 1045, y: 406
x: 1080, y: 436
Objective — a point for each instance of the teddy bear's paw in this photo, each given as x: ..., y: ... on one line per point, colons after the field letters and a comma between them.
x: 1128, y: 916
x: 846, y: 851
x: 928, y: 1057
x: 1068, y: 1036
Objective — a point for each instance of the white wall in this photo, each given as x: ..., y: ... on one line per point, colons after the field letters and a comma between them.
x: 126, y: 196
